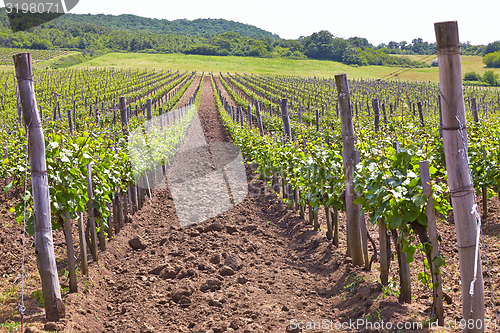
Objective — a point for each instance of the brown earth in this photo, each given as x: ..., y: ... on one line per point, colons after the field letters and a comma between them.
x: 252, y: 269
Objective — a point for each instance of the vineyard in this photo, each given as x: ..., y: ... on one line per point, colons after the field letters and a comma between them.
x: 37, y: 55
x: 340, y: 225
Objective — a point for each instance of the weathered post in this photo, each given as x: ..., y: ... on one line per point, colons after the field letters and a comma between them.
x: 249, y: 116
x: 149, y: 105
x: 91, y: 217
x: 375, y: 104
x: 83, y: 246
x: 259, y: 119
x: 459, y: 178
x: 431, y: 228
x: 352, y: 210
x: 474, y: 110
x: 124, y: 115
x: 420, y: 113
x: 384, y: 258
x: 44, y: 246
x: 73, y: 287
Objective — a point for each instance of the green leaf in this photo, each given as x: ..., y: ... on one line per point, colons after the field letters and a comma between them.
x: 410, y: 253
x: 422, y: 219
x: 439, y: 260
x: 419, y: 200
x: 395, y: 222
x: 427, y: 247
x: 359, y: 200
x: 8, y: 187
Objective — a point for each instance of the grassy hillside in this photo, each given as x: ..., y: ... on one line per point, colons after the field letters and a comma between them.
x: 267, y: 66
x: 469, y: 63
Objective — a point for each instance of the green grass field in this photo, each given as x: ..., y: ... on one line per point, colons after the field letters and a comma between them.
x: 269, y: 66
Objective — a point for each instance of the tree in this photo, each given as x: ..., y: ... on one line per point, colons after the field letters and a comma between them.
x: 491, y: 78
x: 393, y: 45
x: 472, y: 76
x: 358, y: 42
x: 492, y: 59
x: 492, y: 47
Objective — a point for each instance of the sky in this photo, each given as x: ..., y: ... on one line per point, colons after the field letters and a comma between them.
x: 379, y: 21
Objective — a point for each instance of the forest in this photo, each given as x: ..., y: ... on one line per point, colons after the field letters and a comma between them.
x: 100, y: 34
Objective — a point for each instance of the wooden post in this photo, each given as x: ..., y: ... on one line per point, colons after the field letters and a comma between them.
x: 362, y: 224
x: 83, y: 246
x: 329, y: 224
x: 404, y: 267
x: 44, y: 246
x: 73, y: 287
x: 91, y: 221
x: 259, y: 119
x: 70, y: 122
x: 102, y: 238
x: 474, y: 110
x: 317, y: 120
x: 6, y: 155
x: 123, y: 115
x: 376, y: 111
x: 116, y: 223
x: 432, y: 229
x: 149, y: 106
x: 111, y: 226
x: 384, y: 258
x: 440, y: 118
x: 250, y: 116
x: 335, y: 219
x: 352, y: 210
x: 74, y: 114
x: 133, y: 194
x: 459, y: 179
x: 242, y: 119
x: 420, y: 113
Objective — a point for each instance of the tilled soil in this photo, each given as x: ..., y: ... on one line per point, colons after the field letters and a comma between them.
x: 255, y: 268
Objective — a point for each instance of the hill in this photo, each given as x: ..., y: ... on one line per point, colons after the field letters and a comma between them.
x: 133, y: 23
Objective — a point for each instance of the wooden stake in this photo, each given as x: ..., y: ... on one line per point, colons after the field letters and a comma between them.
x: 432, y: 229
x: 124, y: 116
x: 249, y: 116
x: 329, y: 225
x: 44, y: 246
x: 352, y: 210
x: 83, y: 246
x: 259, y: 119
x: 420, y: 113
x: 384, y: 258
x: 286, y: 119
x: 459, y: 180
x: 73, y: 287
x: 335, y: 219
x: 376, y: 111
x: 91, y: 221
